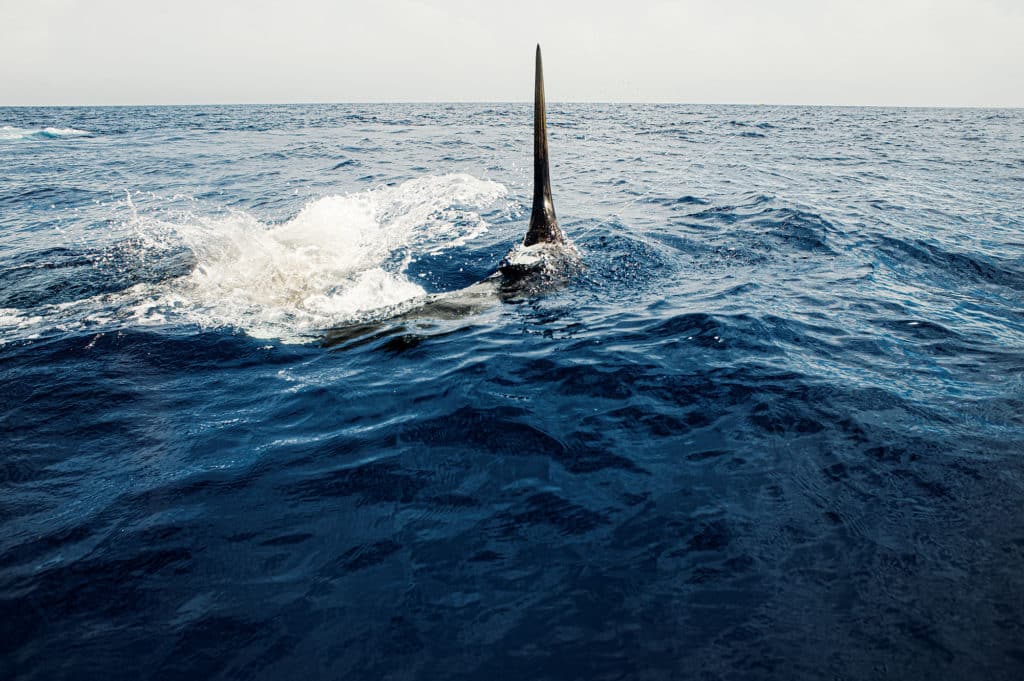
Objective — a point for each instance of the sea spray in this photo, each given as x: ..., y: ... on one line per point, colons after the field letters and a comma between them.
x: 340, y: 257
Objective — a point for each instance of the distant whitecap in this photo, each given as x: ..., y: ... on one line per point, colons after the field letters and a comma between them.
x: 10, y: 133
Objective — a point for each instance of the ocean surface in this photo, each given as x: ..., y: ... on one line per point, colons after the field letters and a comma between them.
x: 774, y: 430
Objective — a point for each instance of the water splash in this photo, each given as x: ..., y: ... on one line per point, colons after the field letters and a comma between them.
x: 339, y: 258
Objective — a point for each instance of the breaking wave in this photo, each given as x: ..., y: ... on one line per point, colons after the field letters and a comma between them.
x: 9, y: 132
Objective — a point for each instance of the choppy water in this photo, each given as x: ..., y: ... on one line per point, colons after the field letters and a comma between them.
x: 775, y: 430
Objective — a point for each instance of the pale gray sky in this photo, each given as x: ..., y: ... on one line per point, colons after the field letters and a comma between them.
x: 888, y: 52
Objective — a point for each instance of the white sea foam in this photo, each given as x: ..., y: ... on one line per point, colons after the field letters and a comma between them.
x: 9, y: 132
x: 339, y: 259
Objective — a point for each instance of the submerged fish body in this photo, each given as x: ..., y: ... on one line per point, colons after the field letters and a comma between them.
x: 529, y: 270
x: 525, y: 272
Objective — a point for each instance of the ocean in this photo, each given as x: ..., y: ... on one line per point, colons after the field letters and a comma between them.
x: 773, y: 430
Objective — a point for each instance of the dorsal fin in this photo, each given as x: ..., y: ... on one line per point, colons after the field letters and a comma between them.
x: 543, y: 224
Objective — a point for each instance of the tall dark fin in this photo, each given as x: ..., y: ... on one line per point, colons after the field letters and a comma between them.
x: 543, y: 224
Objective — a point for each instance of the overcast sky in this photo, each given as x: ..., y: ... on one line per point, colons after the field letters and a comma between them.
x: 884, y: 52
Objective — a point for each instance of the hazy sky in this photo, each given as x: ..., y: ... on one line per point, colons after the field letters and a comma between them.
x: 895, y: 52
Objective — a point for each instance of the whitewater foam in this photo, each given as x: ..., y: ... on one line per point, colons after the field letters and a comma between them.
x: 338, y: 260
x: 10, y: 132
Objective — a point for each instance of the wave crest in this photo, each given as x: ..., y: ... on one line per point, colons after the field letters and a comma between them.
x: 10, y: 132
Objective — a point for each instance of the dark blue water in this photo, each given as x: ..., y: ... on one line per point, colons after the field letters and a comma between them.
x: 775, y: 430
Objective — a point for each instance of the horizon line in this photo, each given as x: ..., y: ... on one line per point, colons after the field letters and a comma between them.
x: 511, y: 101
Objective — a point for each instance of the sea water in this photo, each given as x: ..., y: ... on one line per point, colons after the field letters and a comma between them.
x: 775, y: 428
